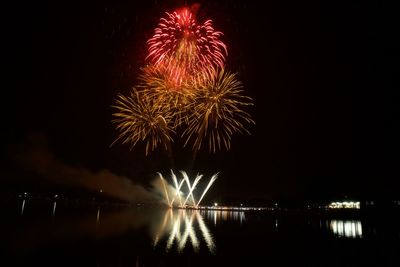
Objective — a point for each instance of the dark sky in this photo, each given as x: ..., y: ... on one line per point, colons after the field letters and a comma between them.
x: 321, y: 73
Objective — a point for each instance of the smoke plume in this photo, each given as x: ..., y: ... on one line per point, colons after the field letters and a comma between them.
x: 38, y: 158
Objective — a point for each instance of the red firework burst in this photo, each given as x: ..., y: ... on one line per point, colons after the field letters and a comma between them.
x: 184, y: 47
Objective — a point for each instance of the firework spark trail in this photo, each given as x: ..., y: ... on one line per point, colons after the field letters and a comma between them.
x: 191, y: 187
x: 177, y: 188
x: 212, y: 180
x: 217, y: 111
x: 167, y: 94
x: 184, y: 46
x: 139, y: 119
x: 165, y: 188
x: 196, y: 181
x: 180, y: 185
x: 186, y: 178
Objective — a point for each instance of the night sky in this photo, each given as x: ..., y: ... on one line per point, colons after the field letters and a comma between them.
x: 321, y: 73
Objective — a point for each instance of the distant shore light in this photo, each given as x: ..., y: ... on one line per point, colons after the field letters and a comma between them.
x: 345, y: 205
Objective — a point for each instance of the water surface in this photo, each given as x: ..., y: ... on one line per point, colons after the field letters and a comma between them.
x: 58, y: 235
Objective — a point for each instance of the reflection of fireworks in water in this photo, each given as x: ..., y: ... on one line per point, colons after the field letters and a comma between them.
x: 185, y: 47
x: 346, y: 228
x: 191, y: 187
x: 181, y: 226
x: 217, y: 110
x: 139, y: 119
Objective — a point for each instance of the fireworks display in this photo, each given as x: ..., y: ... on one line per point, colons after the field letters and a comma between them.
x: 184, y: 90
x: 140, y: 119
x: 216, y: 111
x: 184, y: 47
x: 185, y: 199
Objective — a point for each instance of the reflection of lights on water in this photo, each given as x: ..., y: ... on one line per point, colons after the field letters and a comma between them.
x: 162, y: 228
x: 181, y: 226
x: 54, y: 207
x: 242, y: 218
x: 218, y: 215
x: 23, y: 207
x: 206, y: 233
x: 342, y: 228
x: 188, y: 232
x: 98, y: 215
x: 174, y: 233
x: 24, y: 196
